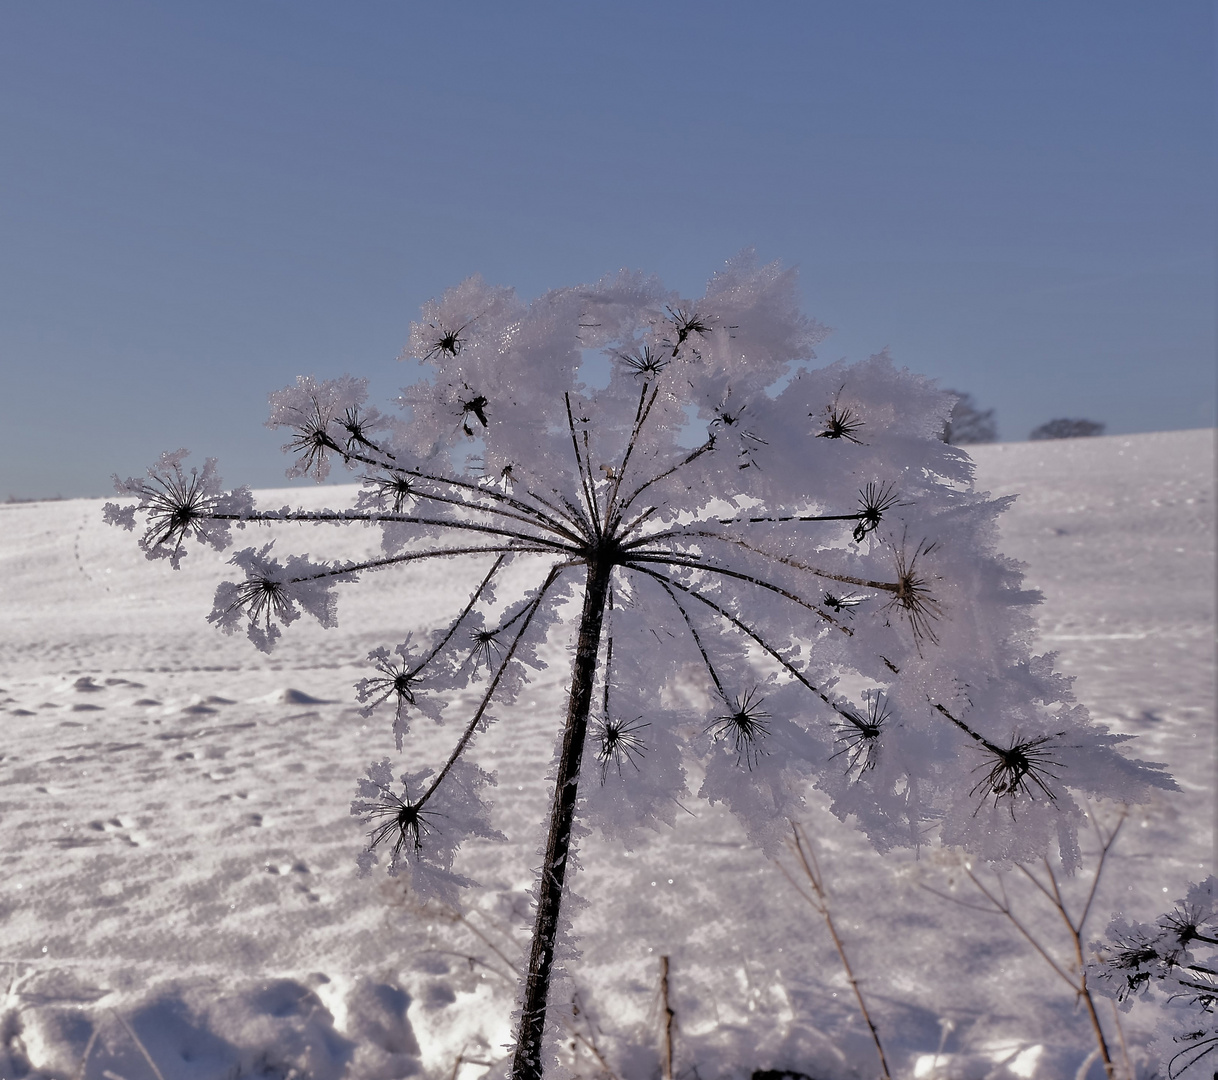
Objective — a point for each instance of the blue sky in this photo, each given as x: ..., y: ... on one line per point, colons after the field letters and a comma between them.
x: 200, y: 201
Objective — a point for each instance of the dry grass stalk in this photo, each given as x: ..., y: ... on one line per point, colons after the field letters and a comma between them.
x: 669, y: 1017
x: 1073, y: 972
x: 801, y: 847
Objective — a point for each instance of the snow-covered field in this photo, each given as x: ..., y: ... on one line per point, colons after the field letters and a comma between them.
x: 179, y: 894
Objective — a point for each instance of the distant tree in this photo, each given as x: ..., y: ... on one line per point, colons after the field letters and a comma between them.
x: 969, y: 424
x: 1067, y: 429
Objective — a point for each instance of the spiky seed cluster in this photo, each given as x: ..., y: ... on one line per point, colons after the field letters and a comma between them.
x: 404, y: 820
x: 397, y: 680
x: 1018, y: 768
x: 875, y: 500
x: 487, y: 647
x: 357, y: 428
x: 646, y: 362
x: 732, y: 418
x: 1132, y: 956
x: 620, y: 742
x: 686, y: 323
x: 505, y: 479
x: 840, y: 423
x: 312, y: 441
x: 394, y: 487
x: 445, y: 342
x: 177, y: 507
x: 743, y: 726
x: 842, y: 604
x: 912, y: 596
x: 860, y: 734
x: 263, y: 599
x: 476, y: 407
x: 1184, y: 924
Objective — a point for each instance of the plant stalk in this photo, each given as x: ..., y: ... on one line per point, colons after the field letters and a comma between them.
x: 527, y: 1061
x: 669, y: 1016
x: 802, y: 846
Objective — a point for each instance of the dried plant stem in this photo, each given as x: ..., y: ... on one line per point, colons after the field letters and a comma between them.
x: 588, y: 1040
x: 1120, y: 1030
x: 527, y: 1060
x: 139, y: 1045
x: 801, y: 845
x: 84, y: 1059
x: 463, y: 1060
x: 1074, y: 974
x: 669, y: 1017
x: 1076, y: 941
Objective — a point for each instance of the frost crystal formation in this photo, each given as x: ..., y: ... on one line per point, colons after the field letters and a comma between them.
x: 781, y: 572
x: 1176, y: 957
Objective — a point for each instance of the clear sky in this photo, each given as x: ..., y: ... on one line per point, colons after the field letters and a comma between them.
x: 199, y: 201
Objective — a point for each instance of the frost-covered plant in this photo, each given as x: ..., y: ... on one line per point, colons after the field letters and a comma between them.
x: 1174, y: 956
x: 782, y: 575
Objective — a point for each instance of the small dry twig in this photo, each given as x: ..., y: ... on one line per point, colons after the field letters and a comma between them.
x: 669, y: 1017
x: 801, y: 846
x: 1073, y: 972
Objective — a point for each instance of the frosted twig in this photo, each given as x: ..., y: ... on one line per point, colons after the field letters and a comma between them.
x: 472, y: 726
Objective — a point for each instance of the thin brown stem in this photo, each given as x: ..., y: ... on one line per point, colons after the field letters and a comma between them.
x: 664, y: 584
x: 687, y: 460
x: 527, y: 1063
x: 584, y: 468
x: 640, y: 418
x: 693, y: 564
x: 472, y: 726
x: 465, y: 485
x: 461, y: 618
x: 377, y: 517
x: 801, y: 845
x: 1050, y: 888
x: 536, y: 519
x: 786, y: 560
x: 669, y: 1017
x: 1084, y: 992
x: 596, y: 511
x: 750, y: 632
x: 415, y: 556
x: 625, y: 530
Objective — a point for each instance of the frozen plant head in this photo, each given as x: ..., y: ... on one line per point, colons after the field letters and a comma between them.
x: 1175, y: 960
x: 859, y: 734
x: 742, y: 534
x: 179, y: 505
x: 621, y: 741
x: 743, y: 727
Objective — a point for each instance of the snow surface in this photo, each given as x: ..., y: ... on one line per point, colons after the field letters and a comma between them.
x: 179, y: 889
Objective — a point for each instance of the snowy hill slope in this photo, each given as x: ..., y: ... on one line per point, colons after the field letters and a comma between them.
x: 179, y: 890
